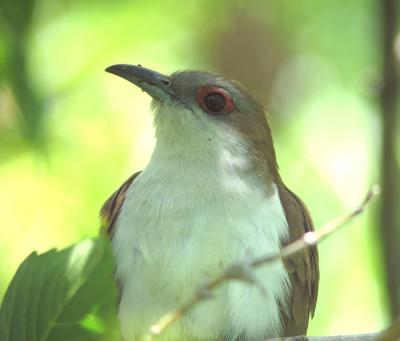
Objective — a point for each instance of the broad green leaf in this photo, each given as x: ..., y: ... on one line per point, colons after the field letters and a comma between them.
x: 62, y: 295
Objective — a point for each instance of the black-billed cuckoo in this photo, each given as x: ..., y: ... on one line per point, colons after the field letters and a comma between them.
x: 211, y: 195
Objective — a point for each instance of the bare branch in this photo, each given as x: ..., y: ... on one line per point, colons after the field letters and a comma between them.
x: 355, y: 337
x: 244, y: 270
x: 392, y: 332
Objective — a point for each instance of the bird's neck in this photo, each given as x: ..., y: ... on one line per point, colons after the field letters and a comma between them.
x: 209, y: 168
x: 185, y: 142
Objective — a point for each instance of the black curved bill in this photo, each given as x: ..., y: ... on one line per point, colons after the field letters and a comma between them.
x: 155, y: 84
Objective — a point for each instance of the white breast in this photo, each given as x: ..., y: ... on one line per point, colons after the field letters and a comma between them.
x: 183, y: 221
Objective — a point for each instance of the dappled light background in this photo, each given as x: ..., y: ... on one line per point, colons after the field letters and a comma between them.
x: 314, y: 64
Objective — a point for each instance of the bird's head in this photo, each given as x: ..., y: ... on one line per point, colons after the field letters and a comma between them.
x: 202, y: 111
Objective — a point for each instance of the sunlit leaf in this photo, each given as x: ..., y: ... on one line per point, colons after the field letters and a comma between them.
x: 62, y: 295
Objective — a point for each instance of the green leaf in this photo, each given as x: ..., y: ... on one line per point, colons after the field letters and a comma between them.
x: 62, y: 295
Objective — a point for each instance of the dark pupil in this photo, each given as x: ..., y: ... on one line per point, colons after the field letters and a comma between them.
x: 214, y: 102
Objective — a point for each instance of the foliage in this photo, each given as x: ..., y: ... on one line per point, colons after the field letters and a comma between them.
x: 62, y: 295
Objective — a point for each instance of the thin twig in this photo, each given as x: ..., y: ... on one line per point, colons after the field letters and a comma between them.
x: 242, y: 270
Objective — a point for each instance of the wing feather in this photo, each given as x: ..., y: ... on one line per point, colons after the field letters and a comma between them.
x: 112, y: 207
x: 303, y: 269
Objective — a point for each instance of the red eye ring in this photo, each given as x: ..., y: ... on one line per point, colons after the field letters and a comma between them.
x: 214, y: 100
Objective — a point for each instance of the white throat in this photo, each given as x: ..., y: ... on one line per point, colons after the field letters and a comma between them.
x: 186, y: 217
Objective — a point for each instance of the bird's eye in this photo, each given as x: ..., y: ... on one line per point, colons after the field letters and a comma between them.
x: 214, y: 100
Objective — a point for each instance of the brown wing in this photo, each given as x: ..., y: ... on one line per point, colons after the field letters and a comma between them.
x: 303, y: 269
x: 111, y: 208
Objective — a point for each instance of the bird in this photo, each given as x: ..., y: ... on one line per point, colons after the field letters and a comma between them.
x: 211, y: 195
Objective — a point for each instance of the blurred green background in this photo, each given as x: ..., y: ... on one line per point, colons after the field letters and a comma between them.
x: 71, y: 133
